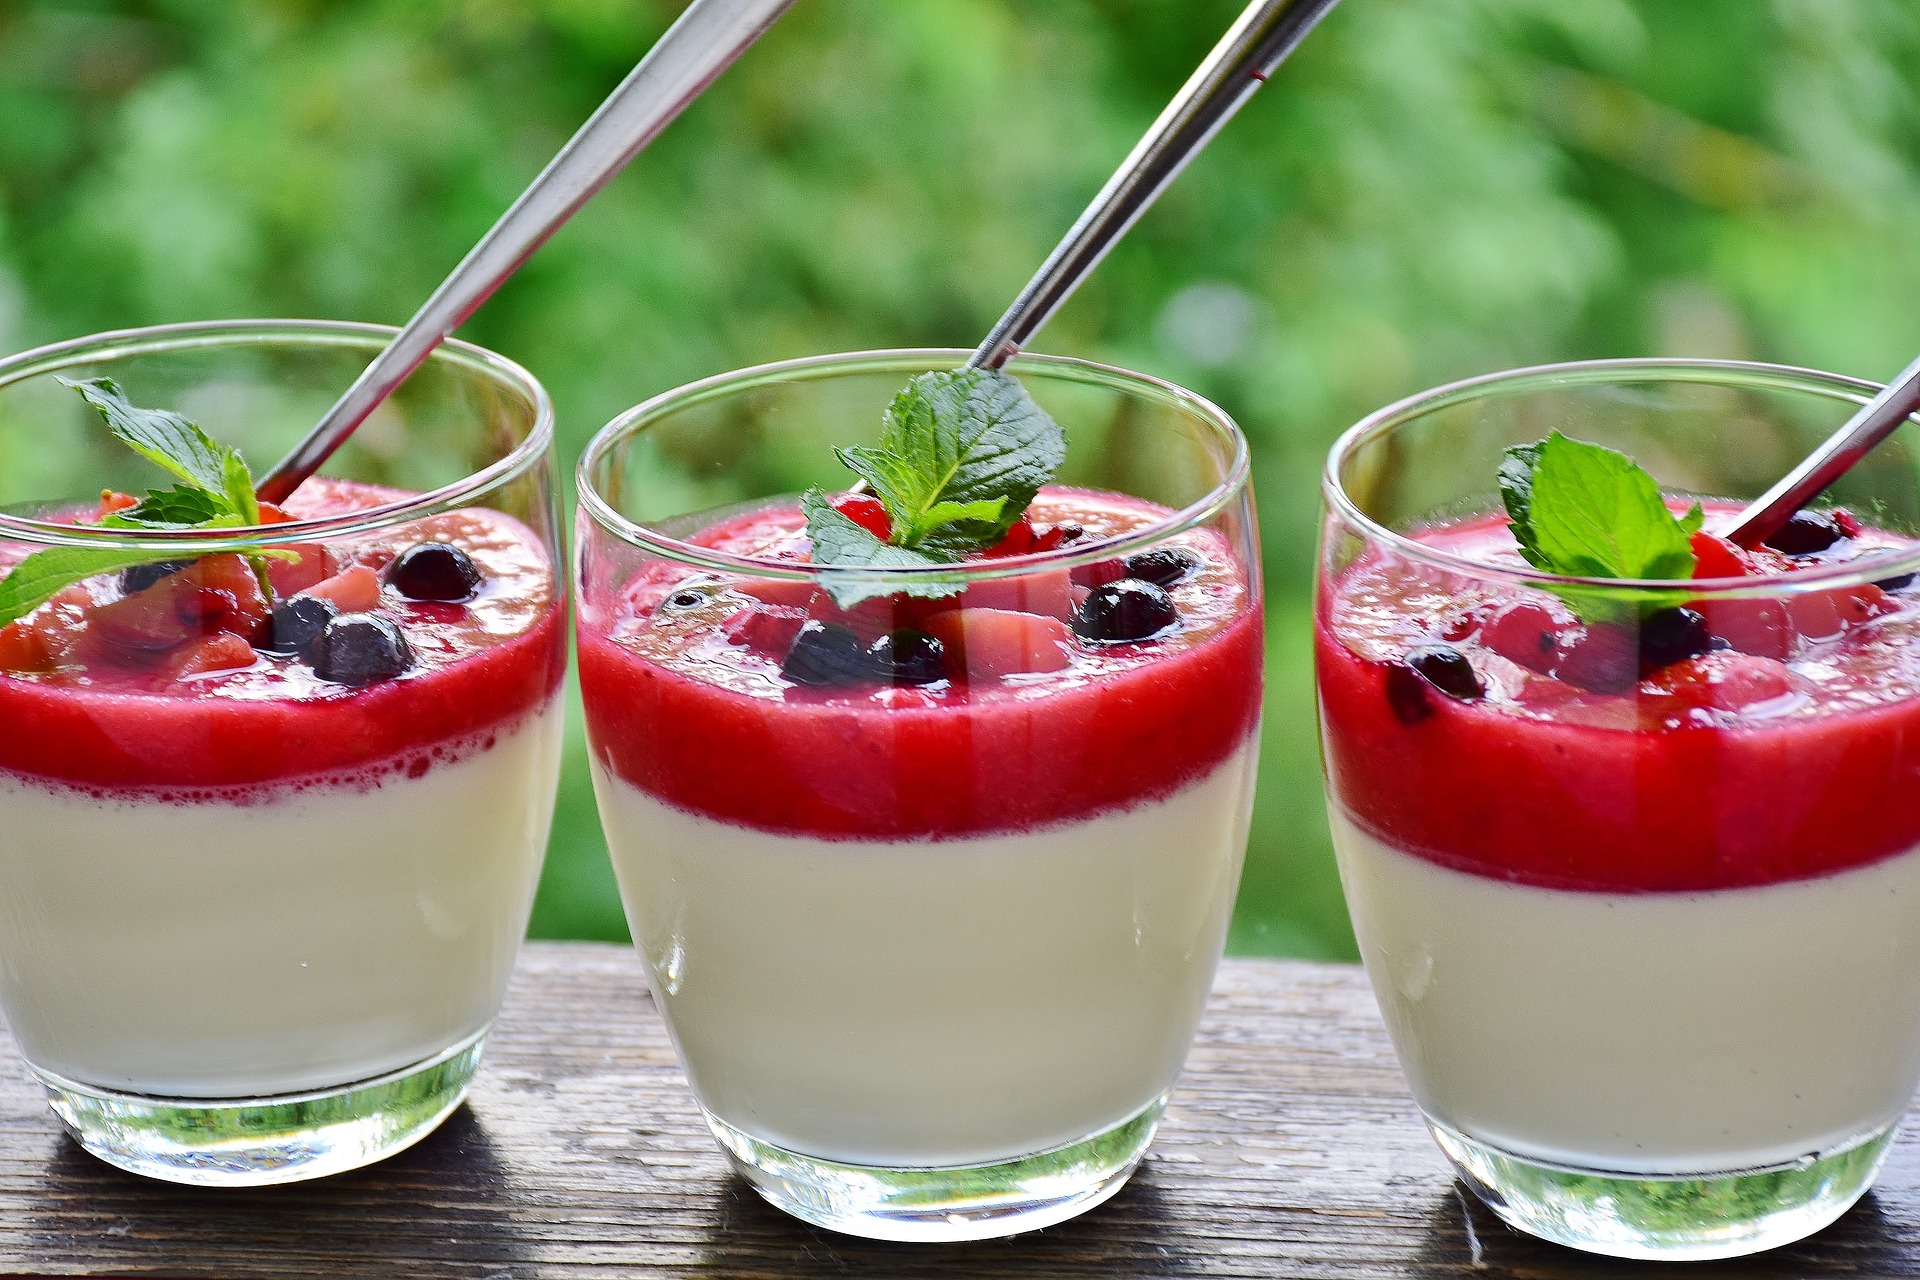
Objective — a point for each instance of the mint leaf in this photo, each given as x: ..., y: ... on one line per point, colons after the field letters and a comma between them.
x: 961, y: 455
x: 1587, y: 511
x: 839, y: 541
x: 164, y: 438
x: 45, y: 574
x: 218, y: 494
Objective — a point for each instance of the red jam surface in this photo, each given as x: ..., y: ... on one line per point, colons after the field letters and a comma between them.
x: 1796, y: 756
x: 689, y: 704
x: 96, y: 714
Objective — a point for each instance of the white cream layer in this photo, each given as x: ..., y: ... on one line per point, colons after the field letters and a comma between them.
x: 1649, y: 1033
x: 927, y: 1003
x: 313, y: 939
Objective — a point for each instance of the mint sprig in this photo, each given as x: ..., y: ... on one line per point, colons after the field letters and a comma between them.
x: 1586, y: 511
x: 960, y: 458
x: 216, y: 492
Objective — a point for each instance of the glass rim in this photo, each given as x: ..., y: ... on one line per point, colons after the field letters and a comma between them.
x: 1865, y: 569
x: 166, y: 338
x: 916, y: 359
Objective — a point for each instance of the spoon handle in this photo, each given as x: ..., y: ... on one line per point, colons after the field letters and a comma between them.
x: 689, y: 57
x: 1865, y: 429
x: 1257, y: 43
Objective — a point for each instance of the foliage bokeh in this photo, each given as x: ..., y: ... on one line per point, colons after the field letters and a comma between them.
x: 1427, y: 191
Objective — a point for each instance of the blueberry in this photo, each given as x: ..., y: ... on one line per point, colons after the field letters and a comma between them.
x: 360, y: 648
x: 1127, y: 609
x: 908, y: 656
x: 1431, y: 666
x: 1899, y: 582
x: 298, y: 623
x: 435, y: 571
x: 141, y: 576
x: 826, y: 653
x: 1806, y: 533
x: 1672, y: 635
x: 1162, y: 566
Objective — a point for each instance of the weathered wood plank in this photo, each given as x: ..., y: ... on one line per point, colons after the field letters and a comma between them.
x: 1291, y: 1149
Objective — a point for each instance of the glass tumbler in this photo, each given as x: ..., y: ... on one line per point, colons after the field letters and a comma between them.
x: 932, y: 941
x: 1637, y: 887
x: 272, y: 808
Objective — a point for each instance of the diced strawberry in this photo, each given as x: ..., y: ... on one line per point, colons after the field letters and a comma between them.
x: 1849, y: 523
x: 354, y: 590
x: 999, y: 642
x: 112, y: 501
x: 1049, y: 537
x: 1018, y: 541
x: 1716, y: 557
x: 291, y: 577
x: 1531, y: 633
x: 1728, y: 681
x: 1816, y: 615
x: 24, y: 648
x: 1049, y: 593
x: 765, y: 628
x: 220, y: 593
x: 798, y: 593
x: 866, y: 511
x: 145, y: 622
x: 223, y: 651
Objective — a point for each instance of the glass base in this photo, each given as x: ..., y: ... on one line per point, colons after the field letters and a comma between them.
x: 964, y: 1202
x: 1669, y: 1219
x: 256, y: 1142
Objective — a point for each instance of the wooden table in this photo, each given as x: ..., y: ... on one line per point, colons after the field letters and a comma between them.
x: 1291, y: 1149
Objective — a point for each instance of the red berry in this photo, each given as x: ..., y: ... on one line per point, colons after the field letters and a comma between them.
x: 998, y: 642
x: 1532, y: 634
x: 1849, y: 523
x: 1715, y: 557
x: 1606, y: 659
x: 1018, y: 542
x: 1728, y: 681
x: 866, y: 511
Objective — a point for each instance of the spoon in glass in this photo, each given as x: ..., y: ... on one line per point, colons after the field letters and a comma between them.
x: 1258, y: 42
x: 1765, y: 515
x: 699, y: 46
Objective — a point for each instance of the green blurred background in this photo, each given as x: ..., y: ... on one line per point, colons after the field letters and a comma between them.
x: 1429, y: 190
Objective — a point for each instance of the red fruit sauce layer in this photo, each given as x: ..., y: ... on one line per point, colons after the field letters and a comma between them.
x: 1724, y: 770
x: 707, y: 725
x: 106, y: 723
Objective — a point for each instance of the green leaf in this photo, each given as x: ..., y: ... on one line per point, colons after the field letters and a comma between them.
x: 44, y: 574
x: 1587, y: 511
x: 961, y: 455
x: 841, y: 542
x: 176, y: 508
x: 164, y: 438
x: 237, y: 481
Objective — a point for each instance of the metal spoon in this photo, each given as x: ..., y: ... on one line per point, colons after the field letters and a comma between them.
x: 1257, y: 43
x: 1852, y: 442
x: 689, y: 57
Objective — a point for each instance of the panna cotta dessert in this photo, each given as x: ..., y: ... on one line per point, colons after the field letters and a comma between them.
x: 1636, y: 877
x: 928, y: 886
x: 272, y: 824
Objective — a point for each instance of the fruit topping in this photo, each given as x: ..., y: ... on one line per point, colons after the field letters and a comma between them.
x: 1729, y: 681
x: 1000, y: 642
x: 1162, y: 566
x: 355, y: 590
x: 1099, y: 573
x: 1672, y: 635
x: 768, y: 629
x: 359, y: 649
x: 1899, y: 582
x: 1124, y: 611
x: 213, y: 593
x: 866, y: 511
x: 908, y: 656
x: 141, y: 576
x: 1604, y: 659
x: 1049, y: 593
x: 1535, y: 635
x: 826, y: 654
x: 435, y: 571
x: 299, y: 622
x: 1806, y: 533
x: 221, y: 652
x: 1431, y: 666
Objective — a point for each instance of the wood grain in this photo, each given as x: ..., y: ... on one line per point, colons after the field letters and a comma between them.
x: 1291, y: 1149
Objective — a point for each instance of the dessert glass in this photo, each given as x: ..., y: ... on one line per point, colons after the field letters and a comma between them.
x: 932, y: 956
x: 260, y: 936
x: 1647, y: 948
